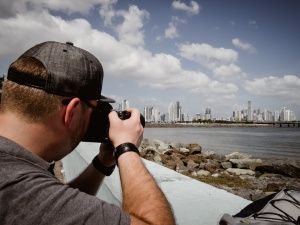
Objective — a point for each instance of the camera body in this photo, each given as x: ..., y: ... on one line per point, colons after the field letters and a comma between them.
x: 99, y: 123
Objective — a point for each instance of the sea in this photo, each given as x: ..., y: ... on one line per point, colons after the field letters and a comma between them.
x: 260, y: 142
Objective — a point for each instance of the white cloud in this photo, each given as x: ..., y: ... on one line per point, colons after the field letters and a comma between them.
x: 220, y: 61
x: 130, y: 31
x: 286, y: 87
x: 243, y: 45
x: 11, y: 8
x: 193, y: 9
x: 229, y: 72
x: 206, y: 54
x: 171, y: 31
x: 107, y: 12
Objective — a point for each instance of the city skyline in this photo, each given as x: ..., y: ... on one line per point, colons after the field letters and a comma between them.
x: 203, y: 53
x: 256, y: 114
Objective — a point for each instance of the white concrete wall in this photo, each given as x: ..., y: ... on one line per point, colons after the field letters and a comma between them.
x: 193, y: 202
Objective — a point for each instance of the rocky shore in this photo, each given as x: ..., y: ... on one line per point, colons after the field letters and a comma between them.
x: 238, y: 173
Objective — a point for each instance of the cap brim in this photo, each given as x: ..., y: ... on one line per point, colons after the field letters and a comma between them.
x: 106, y: 99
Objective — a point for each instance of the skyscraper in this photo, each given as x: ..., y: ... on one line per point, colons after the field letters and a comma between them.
x: 178, y: 111
x: 171, y: 110
x: 249, y: 112
x: 207, y: 114
x: 124, y: 105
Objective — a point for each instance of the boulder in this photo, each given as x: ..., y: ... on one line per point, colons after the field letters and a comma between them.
x: 192, y: 165
x: 156, y: 143
x: 194, y: 148
x: 285, y: 167
x: 203, y: 173
x: 211, y: 167
x: 175, y: 145
x: 238, y: 155
x: 209, y: 153
x: 246, y: 163
x: 184, y: 150
x: 239, y: 172
x: 162, y: 148
x: 182, y: 169
x: 145, y: 143
x: 171, y: 165
x: 178, y: 161
x: 165, y: 158
x: 157, y: 159
x: 226, y: 165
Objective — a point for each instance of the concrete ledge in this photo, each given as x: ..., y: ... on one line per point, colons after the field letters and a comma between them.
x: 193, y: 202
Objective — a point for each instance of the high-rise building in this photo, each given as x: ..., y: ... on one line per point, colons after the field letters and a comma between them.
x: 276, y: 116
x: 174, y: 111
x: 178, y: 111
x: 148, y: 114
x: 155, y: 116
x: 249, y: 112
x: 287, y: 115
x: 171, y: 112
x: 124, y: 105
x: 207, y: 114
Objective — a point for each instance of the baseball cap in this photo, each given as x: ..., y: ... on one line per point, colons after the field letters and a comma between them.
x: 71, y: 71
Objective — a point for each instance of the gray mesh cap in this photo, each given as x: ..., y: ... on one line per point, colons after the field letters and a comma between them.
x: 71, y: 71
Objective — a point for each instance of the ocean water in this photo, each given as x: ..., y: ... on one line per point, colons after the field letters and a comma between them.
x: 270, y: 142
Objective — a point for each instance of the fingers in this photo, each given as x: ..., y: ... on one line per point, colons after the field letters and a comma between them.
x: 128, y: 130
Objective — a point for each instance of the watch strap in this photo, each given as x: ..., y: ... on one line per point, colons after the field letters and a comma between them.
x: 125, y: 147
x: 107, y: 171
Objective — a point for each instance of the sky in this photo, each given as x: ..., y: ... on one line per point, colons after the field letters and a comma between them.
x: 203, y: 53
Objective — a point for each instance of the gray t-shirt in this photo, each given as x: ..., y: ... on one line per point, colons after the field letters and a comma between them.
x: 31, y: 194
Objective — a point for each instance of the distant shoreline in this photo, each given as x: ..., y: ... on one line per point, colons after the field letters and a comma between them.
x: 205, y: 125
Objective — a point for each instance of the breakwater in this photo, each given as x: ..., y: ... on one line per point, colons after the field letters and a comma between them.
x: 241, y: 174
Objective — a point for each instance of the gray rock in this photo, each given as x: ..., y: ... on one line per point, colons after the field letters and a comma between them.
x: 194, y: 148
x: 238, y: 155
x: 176, y: 145
x: 182, y: 169
x: 239, y: 172
x: 246, y: 163
x: 156, y: 143
x: 192, y: 165
x: 157, y: 159
x: 285, y: 167
x: 162, y: 148
x: 194, y: 174
x: 226, y: 165
x: 209, y: 153
x: 203, y: 173
x: 184, y: 150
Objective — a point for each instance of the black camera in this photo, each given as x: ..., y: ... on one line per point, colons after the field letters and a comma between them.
x: 99, y: 123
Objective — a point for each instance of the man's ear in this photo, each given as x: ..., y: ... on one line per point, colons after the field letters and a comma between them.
x: 71, y: 111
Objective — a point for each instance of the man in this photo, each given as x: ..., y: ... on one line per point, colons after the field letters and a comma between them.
x: 47, y: 101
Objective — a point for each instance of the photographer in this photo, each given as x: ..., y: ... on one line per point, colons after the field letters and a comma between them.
x: 47, y: 102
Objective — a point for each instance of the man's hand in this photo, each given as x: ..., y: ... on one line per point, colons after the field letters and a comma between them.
x: 129, y: 130
x: 106, y: 154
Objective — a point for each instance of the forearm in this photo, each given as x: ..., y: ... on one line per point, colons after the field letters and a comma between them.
x: 142, y: 198
x: 88, y: 181
x: 91, y: 178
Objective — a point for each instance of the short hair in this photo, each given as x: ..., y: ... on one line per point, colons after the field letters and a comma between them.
x: 31, y: 104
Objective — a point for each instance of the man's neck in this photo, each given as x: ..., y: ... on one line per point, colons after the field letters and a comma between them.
x: 39, y: 138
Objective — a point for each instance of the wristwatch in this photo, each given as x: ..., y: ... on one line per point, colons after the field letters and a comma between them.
x: 107, y: 171
x: 125, y: 147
